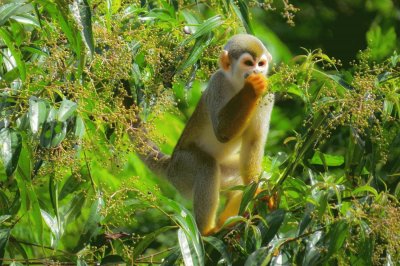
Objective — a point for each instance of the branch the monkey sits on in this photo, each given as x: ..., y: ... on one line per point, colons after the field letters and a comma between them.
x: 223, y: 142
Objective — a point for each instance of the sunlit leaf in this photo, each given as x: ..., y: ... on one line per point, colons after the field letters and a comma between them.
x: 364, y: 189
x: 79, y: 127
x: 83, y: 16
x: 12, y: 9
x: 189, y: 232
x: 38, y: 112
x: 320, y: 158
x: 66, y: 110
x: 51, y: 223
x: 204, y: 28
x: 10, y: 149
x: 187, y: 255
x: 16, y: 53
x: 242, y: 12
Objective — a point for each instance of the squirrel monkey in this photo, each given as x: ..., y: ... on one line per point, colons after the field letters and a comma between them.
x: 223, y: 142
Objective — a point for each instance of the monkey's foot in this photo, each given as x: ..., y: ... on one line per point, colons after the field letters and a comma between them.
x: 211, y: 231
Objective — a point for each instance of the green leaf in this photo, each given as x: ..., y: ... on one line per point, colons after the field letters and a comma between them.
x: 92, y: 225
x: 147, y: 240
x: 206, y: 27
x: 313, y: 249
x: 243, y: 13
x: 82, y: 14
x: 171, y: 259
x: 189, y: 234
x: 381, y: 44
x: 4, y: 235
x: 53, y: 133
x: 21, y: 251
x: 66, y: 110
x: 274, y: 222
x: 189, y: 257
x: 51, y: 223
x: 248, y: 195
x: 27, y: 19
x: 10, y: 149
x: 15, y: 52
x: 195, y: 53
x: 320, y: 158
x: 59, y: 13
x: 9, y: 9
x: 364, y: 189
x: 79, y: 127
x: 70, y: 186
x: 220, y: 246
x: 4, y: 218
x: 53, y: 192
x: 16, y: 263
x: 337, y: 236
x: 71, y: 210
x: 38, y: 112
x: 260, y: 257
x: 305, y: 222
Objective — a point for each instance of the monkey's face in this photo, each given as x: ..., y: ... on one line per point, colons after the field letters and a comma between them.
x: 248, y: 64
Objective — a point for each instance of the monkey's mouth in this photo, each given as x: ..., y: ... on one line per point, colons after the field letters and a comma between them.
x: 255, y: 71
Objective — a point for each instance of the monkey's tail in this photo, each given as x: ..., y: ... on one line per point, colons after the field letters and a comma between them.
x: 148, y: 151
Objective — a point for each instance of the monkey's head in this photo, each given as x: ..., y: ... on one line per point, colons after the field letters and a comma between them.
x: 243, y: 55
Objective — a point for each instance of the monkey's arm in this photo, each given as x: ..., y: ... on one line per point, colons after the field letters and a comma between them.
x: 233, y: 118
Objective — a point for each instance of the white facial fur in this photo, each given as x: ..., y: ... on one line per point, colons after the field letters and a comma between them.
x: 246, y: 65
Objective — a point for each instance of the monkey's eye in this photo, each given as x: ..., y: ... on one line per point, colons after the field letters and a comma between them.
x: 248, y: 63
x: 261, y: 63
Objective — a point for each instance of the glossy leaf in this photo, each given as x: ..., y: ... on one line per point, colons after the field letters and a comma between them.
x: 38, y: 112
x: 189, y: 235
x: 4, y: 236
x: 206, y: 27
x: 15, y: 52
x: 79, y: 127
x: 53, y: 133
x: 66, y: 110
x: 10, y: 149
x: 83, y: 16
x: 9, y: 9
x: 274, y: 221
x: 220, y: 247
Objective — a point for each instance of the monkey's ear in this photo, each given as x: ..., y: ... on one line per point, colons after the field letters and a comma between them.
x: 224, y: 62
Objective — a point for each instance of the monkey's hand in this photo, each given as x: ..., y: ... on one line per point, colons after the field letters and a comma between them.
x: 258, y: 83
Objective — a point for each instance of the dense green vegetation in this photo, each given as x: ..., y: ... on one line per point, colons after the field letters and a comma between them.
x: 74, y: 192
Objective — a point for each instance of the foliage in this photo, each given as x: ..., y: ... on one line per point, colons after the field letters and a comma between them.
x: 73, y: 191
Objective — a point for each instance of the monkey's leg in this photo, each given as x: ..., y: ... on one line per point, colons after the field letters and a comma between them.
x: 231, y: 208
x: 230, y: 176
x: 195, y: 167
